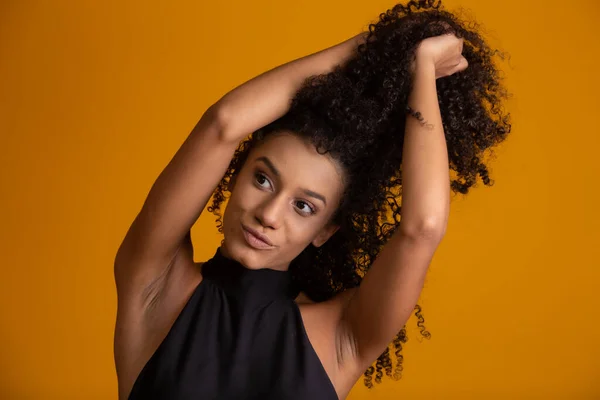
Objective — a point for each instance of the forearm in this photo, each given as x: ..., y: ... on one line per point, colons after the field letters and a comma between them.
x: 267, y: 96
x: 425, y: 165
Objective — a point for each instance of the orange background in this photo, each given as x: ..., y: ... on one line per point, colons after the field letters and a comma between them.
x: 96, y: 97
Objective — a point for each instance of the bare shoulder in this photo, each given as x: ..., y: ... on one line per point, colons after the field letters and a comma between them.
x: 322, y: 322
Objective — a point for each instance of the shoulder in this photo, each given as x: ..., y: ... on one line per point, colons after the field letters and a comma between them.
x: 303, y: 299
x: 329, y: 337
x: 342, y: 298
x: 327, y: 315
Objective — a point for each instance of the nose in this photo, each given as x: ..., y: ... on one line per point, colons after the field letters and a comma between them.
x: 270, y: 212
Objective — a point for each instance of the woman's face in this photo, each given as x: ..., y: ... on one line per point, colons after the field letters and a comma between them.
x: 287, y: 192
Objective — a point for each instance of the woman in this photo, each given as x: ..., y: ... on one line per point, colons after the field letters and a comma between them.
x: 302, y: 297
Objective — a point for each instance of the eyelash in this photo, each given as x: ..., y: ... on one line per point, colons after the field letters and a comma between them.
x: 259, y: 175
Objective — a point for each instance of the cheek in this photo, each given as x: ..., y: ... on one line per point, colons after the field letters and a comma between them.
x: 232, y: 212
x: 300, y: 232
x: 243, y: 199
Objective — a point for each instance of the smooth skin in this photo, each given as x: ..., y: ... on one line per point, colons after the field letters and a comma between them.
x: 274, y: 193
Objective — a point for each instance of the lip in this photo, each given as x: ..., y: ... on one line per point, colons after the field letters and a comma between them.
x: 256, y: 239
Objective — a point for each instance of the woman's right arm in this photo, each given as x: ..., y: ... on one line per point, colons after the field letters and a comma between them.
x: 185, y: 186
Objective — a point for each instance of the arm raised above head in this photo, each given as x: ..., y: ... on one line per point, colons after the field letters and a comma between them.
x: 389, y: 291
x: 266, y: 97
x: 172, y: 206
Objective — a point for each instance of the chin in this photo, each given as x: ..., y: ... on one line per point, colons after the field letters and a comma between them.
x: 238, y: 250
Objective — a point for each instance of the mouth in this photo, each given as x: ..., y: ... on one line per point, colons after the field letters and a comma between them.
x: 256, y: 239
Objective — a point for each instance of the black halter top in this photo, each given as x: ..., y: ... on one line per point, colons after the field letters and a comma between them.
x: 239, y: 336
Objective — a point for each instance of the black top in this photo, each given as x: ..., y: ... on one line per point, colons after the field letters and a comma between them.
x: 239, y: 336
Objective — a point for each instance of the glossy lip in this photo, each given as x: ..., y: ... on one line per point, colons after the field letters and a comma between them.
x: 263, y: 241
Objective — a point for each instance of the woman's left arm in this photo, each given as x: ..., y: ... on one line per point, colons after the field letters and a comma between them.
x: 388, y: 293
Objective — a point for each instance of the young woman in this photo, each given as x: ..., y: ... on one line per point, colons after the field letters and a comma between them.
x: 302, y: 296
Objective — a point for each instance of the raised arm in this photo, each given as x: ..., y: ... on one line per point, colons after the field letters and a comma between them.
x: 267, y: 97
x: 184, y: 187
x: 389, y: 291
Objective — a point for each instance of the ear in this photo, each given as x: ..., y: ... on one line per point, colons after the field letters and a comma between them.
x: 324, y: 235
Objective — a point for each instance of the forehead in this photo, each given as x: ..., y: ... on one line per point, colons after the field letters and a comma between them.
x: 299, y: 163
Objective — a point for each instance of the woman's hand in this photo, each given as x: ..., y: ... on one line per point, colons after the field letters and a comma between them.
x: 443, y: 53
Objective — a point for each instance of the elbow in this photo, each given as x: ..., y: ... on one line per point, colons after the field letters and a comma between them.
x: 219, y: 116
x: 216, y: 118
x: 432, y: 228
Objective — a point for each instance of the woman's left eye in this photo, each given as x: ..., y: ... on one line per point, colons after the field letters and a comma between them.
x: 304, y: 207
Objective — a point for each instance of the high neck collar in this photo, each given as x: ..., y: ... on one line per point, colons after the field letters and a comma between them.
x: 248, y: 284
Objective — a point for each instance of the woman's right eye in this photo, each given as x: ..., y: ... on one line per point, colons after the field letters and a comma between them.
x: 262, y: 180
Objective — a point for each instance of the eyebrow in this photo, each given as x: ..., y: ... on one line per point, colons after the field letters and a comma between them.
x: 275, y: 172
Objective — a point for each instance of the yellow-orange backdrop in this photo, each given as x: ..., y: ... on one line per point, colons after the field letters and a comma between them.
x: 96, y: 97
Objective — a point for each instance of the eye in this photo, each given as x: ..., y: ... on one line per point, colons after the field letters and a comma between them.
x: 305, y: 208
x: 262, y: 181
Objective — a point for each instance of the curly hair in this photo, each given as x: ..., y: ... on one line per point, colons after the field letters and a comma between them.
x: 357, y: 114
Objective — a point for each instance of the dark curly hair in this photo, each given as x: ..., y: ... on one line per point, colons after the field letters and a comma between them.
x: 357, y: 113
